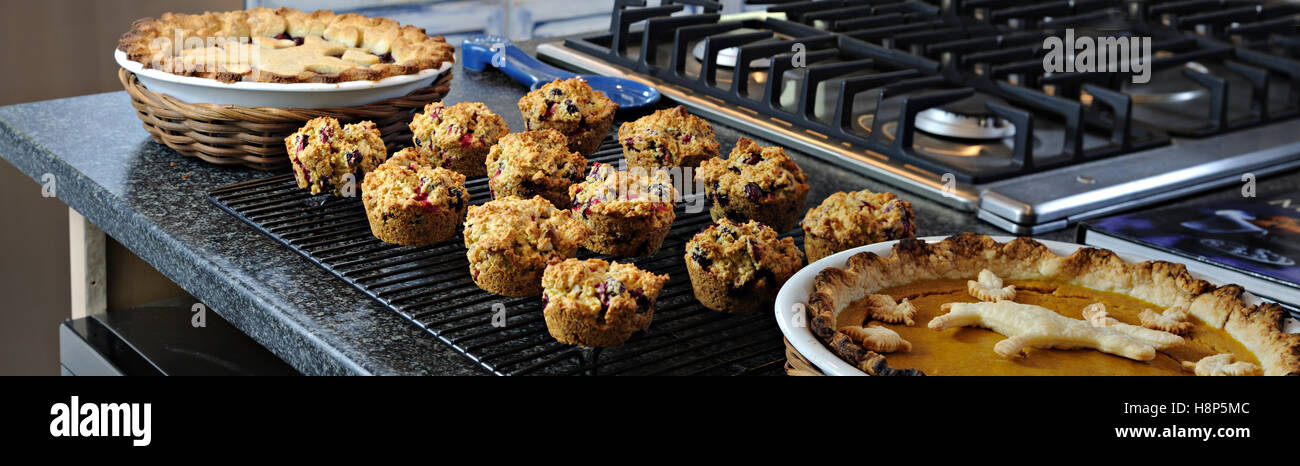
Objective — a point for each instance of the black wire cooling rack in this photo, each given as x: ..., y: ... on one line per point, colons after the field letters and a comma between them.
x: 431, y: 287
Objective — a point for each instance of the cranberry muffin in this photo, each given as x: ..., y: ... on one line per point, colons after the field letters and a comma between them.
x: 596, y: 303
x: 582, y: 114
x: 411, y: 203
x: 668, y: 138
x: 510, y: 241
x: 755, y: 183
x: 458, y: 137
x: 628, y: 212
x: 738, y: 268
x: 324, y: 154
x: 534, y: 163
x: 848, y: 220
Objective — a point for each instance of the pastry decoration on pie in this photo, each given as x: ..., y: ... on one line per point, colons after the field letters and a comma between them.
x: 1096, y: 315
x: 988, y: 287
x: 1222, y: 365
x: 884, y: 308
x: 282, y: 46
x: 1030, y: 326
x: 877, y: 338
x: 1173, y: 320
x: 1078, y: 314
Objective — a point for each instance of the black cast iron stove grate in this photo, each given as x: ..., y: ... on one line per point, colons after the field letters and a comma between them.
x: 896, y: 59
x: 430, y: 287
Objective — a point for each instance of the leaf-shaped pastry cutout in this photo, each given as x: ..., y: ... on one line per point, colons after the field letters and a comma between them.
x: 877, y: 338
x: 1173, y: 320
x: 883, y: 308
x: 1095, y: 314
x: 988, y: 287
x: 1224, y: 364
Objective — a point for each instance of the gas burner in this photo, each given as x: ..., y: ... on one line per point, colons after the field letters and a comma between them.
x: 1021, y: 167
x: 1167, y: 86
x: 991, y: 151
x: 726, y: 57
x: 968, y: 118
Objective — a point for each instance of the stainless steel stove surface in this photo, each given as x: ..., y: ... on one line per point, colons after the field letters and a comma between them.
x: 950, y: 99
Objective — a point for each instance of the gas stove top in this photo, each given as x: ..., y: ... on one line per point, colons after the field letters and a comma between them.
x: 968, y: 102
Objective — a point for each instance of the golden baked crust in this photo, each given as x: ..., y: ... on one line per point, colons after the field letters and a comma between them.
x: 755, y: 183
x: 458, y: 137
x: 1259, y: 327
x: 848, y: 220
x: 597, y: 303
x: 668, y: 138
x: 324, y: 155
x: 629, y: 211
x: 582, y: 114
x: 534, y: 163
x: 510, y: 241
x: 737, y: 268
x: 291, y: 46
x: 411, y: 203
x: 960, y: 257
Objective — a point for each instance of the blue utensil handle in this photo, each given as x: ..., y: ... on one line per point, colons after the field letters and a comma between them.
x: 478, y: 52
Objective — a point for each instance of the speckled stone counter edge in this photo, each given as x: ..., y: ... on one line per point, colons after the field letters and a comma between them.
x: 197, y: 274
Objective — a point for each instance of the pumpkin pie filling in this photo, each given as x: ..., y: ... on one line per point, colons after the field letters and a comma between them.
x: 969, y: 305
x: 969, y: 350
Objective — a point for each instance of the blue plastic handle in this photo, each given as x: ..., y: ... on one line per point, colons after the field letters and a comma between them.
x: 478, y: 52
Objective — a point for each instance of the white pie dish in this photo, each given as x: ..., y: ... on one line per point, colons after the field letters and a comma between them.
x: 793, y: 297
x: 196, y: 90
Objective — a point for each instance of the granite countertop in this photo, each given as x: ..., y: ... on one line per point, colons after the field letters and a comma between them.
x: 152, y: 200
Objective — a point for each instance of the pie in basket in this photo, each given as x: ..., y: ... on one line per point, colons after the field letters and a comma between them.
x: 969, y: 305
x: 282, y: 46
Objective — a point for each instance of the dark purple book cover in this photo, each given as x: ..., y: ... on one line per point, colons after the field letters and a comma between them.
x: 1259, y: 237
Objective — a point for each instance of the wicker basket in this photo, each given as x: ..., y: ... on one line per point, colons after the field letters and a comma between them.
x: 254, y: 136
x: 796, y: 364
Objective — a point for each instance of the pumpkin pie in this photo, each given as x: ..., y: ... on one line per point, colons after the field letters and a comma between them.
x: 969, y: 305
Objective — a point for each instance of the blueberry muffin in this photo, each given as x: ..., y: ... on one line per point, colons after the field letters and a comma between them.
x: 739, y: 267
x: 848, y: 220
x: 668, y: 138
x: 411, y: 203
x: 582, y: 114
x: 534, y: 163
x: 323, y: 154
x: 596, y: 303
x: 458, y: 137
x: 755, y: 183
x: 628, y: 212
x: 510, y: 241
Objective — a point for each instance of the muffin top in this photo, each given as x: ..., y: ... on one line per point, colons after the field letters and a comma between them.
x: 532, y: 230
x: 861, y: 217
x: 537, y: 158
x: 469, y: 125
x: 407, y: 180
x: 625, y: 193
x: 678, y: 137
x: 565, y: 105
x: 328, y: 151
x: 364, y: 136
x: 321, y: 132
x: 600, y: 289
x: 744, y: 254
x: 754, y: 172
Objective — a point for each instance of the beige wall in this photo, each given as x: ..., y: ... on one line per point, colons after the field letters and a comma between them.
x: 76, y: 40
x: 74, y: 57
